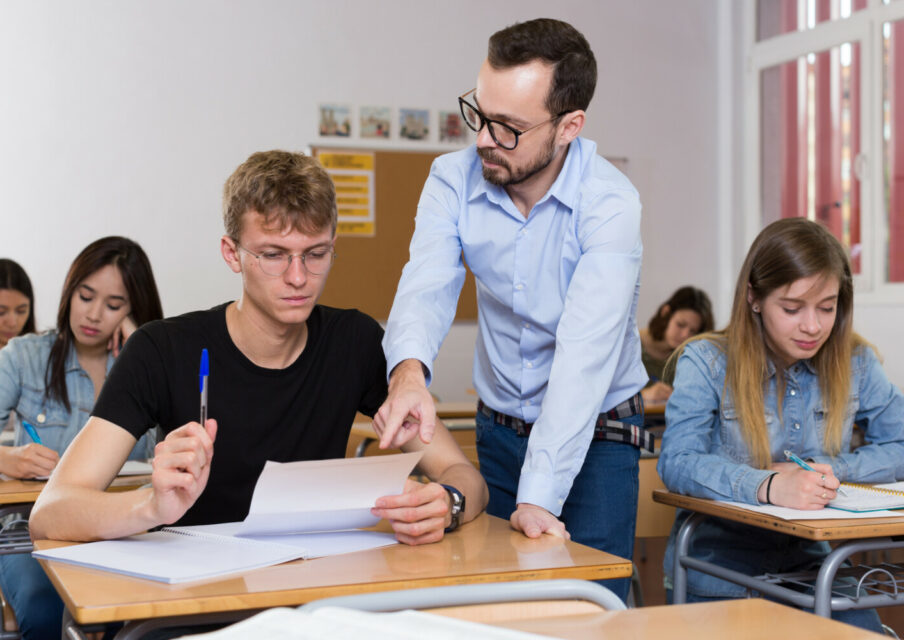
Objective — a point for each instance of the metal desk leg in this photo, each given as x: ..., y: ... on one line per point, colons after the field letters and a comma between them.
x: 682, y: 544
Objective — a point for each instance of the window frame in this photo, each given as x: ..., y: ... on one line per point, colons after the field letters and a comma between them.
x: 863, y: 26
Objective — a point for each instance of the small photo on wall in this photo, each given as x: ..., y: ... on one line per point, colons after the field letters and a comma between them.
x: 375, y: 122
x: 335, y: 120
x: 414, y: 124
x: 452, y: 127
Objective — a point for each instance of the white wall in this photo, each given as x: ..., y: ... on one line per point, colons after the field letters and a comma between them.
x: 126, y: 118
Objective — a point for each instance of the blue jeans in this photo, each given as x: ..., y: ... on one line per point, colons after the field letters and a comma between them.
x: 601, y: 508
x: 38, y: 608
x: 864, y: 618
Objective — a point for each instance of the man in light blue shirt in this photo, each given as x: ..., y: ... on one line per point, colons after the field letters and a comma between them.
x: 551, y: 231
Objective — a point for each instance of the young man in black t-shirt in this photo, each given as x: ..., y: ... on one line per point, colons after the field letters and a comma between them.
x: 286, y: 378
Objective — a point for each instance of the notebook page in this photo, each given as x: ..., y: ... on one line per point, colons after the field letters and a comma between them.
x: 171, y: 557
x: 314, y: 545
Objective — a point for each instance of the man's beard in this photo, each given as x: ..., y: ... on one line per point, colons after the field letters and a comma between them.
x: 493, y: 175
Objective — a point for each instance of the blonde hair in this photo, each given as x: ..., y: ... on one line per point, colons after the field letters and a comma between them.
x: 784, y: 252
x: 291, y: 190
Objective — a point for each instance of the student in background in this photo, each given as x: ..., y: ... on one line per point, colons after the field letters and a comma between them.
x: 286, y: 378
x: 17, y: 302
x: 52, y: 379
x: 787, y: 373
x: 684, y: 315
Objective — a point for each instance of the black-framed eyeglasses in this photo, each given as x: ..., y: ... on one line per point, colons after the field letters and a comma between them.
x: 275, y: 263
x: 503, y: 135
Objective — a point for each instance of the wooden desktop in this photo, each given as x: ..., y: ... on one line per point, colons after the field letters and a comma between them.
x: 485, y: 550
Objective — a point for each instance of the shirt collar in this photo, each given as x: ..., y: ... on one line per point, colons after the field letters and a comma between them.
x: 565, y: 189
x: 72, y: 363
x: 808, y: 364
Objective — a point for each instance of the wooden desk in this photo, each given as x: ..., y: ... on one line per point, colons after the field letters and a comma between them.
x: 18, y: 496
x: 27, y: 491
x: 750, y: 619
x: 485, y: 550
x: 870, y: 534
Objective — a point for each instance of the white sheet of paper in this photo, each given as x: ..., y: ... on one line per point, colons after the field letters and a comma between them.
x: 324, y: 495
x: 340, y: 623
x: 820, y: 514
x: 315, y: 545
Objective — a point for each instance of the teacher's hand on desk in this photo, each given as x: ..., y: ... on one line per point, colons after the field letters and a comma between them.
x: 534, y: 521
x: 420, y: 515
x: 181, y: 468
x: 798, y: 488
x: 409, y: 410
x: 32, y: 460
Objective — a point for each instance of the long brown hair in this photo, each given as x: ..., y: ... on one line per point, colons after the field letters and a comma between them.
x: 13, y: 276
x: 690, y: 298
x: 138, y: 278
x: 784, y: 252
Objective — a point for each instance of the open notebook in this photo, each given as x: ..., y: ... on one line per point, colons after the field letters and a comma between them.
x: 864, y: 497
x: 182, y: 554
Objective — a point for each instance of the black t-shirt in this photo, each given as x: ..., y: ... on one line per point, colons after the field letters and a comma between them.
x: 302, y: 412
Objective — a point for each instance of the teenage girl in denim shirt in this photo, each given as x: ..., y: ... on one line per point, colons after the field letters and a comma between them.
x: 787, y: 373
x: 51, y: 381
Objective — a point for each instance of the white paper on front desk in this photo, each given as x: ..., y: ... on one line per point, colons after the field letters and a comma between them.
x: 324, y: 495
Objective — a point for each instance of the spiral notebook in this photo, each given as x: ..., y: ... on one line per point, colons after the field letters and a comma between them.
x: 294, y: 504
x: 173, y: 555
x: 866, y: 497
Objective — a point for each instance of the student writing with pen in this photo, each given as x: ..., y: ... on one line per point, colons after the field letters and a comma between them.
x: 286, y: 378
x: 51, y: 381
x: 787, y: 374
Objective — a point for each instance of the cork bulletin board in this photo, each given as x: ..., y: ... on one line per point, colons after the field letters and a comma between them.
x: 367, y: 268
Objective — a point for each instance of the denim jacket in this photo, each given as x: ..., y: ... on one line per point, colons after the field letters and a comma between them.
x: 23, y: 363
x: 704, y: 453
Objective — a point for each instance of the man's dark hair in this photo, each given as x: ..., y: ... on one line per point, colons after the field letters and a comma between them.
x: 556, y: 43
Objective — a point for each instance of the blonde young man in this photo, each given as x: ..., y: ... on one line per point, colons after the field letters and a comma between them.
x: 286, y: 378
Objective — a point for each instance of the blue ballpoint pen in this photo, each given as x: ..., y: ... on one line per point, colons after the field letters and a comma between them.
x: 32, y: 432
x: 800, y: 463
x: 202, y: 383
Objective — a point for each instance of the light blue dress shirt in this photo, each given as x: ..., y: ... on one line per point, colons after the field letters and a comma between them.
x: 557, y: 340
x: 23, y: 363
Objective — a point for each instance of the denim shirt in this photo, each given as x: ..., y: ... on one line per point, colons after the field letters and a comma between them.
x: 704, y: 453
x: 23, y: 364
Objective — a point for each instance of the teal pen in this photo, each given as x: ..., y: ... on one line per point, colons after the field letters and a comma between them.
x: 32, y: 432
x: 800, y: 463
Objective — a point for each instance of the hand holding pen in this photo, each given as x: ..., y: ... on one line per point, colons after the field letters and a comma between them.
x: 182, y: 461
x: 792, y: 457
x: 32, y: 460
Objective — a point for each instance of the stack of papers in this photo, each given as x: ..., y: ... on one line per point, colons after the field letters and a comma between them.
x: 294, y: 504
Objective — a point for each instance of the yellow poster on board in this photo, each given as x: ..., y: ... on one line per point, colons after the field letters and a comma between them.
x: 353, y: 174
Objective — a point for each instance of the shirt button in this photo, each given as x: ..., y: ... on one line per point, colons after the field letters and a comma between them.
x: 41, y: 417
x: 527, y: 325
x: 519, y: 287
x: 527, y: 403
x: 793, y: 392
x: 529, y: 365
x: 796, y: 425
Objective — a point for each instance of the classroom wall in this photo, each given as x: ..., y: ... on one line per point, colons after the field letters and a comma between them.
x: 126, y: 117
